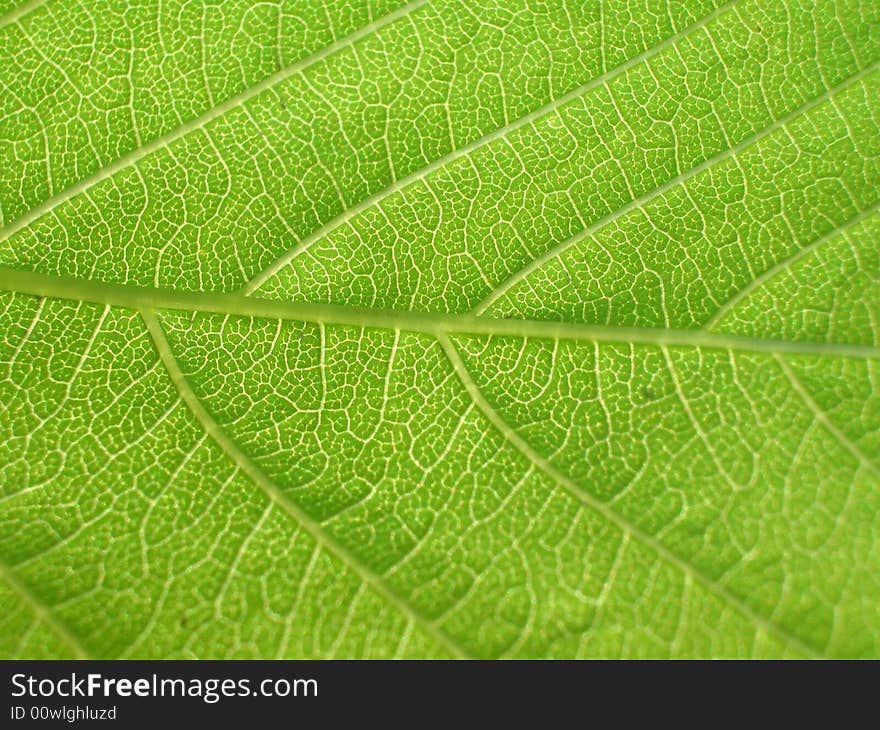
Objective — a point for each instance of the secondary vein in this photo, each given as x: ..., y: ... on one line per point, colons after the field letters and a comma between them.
x: 159, y: 143
x: 263, y: 276
x: 553, y: 253
x: 787, y: 263
x: 822, y: 417
x: 279, y: 498
x: 16, y: 14
x: 43, y: 612
x: 511, y: 435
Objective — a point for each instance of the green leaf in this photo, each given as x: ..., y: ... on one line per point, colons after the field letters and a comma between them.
x: 449, y: 328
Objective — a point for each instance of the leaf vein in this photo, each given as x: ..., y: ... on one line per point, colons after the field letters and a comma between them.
x: 822, y: 417
x: 263, y: 276
x: 553, y: 253
x: 277, y: 496
x: 787, y: 263
x: 50, y: 204
x: 43, y: 612
x: 16, y: 14
x: 664, y: 553
x: 136, y: 297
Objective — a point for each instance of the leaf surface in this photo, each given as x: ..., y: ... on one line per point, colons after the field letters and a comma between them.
x: 440, y: 329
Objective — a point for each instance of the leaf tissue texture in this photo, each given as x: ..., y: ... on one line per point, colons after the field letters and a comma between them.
x: 479, y: 328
